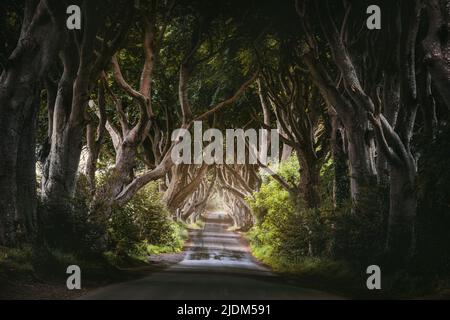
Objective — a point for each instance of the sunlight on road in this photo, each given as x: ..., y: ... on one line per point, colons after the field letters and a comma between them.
x: 216, y: 249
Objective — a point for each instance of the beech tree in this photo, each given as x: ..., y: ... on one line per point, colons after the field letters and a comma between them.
x: 84, y: 55
x: 129, y: 137
x: 122, y: 184
x: 21, y: 82
x: 237, y: 183
x: 393, y: 137
x: 301, y: 114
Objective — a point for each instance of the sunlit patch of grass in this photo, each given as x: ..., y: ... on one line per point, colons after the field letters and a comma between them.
x: 198, y: 225
x: 155, y: 249
x: 144, y: 249
x: 194, y: 226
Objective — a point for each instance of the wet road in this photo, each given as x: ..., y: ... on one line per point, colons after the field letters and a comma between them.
x: 217, y: 265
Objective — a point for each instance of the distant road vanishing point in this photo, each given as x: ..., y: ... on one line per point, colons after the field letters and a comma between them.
x: 217, y: 265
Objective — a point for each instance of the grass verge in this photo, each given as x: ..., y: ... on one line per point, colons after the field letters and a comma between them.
x: 349, y: 281
x: 40, y: 273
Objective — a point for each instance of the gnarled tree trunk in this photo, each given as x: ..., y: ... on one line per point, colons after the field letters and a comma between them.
x: 20, y: 86
x: 83, y: 64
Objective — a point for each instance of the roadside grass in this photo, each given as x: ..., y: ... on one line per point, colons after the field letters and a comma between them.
x: 317, y: 273
x: 233, y: 228
x: 198, y: 225
x: 349, y: 281
x: 28, y: 263
x: 42, y: 261
x: 142, y: 250
x: 180, y: 235
x: 40, y: 272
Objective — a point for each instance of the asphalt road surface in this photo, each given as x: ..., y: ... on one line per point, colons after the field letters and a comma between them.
x: 217, y: 265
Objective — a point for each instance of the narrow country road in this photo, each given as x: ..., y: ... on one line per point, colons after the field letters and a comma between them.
x: 217, y: 265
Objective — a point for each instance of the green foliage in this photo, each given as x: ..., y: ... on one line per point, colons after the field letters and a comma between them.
x: 324, y: 247
x: 272, y: 203
x: 288, y: 232
x: 144, y: 226
x: 304, y: 266
x: 289, y: 228
x: 282, y: 228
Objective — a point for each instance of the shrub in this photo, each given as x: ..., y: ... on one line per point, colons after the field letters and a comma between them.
x: 123, y: 231
x: 144, y: 221
x: 290, y: 230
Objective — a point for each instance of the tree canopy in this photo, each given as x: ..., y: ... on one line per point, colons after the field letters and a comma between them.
x: 362, y: 116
